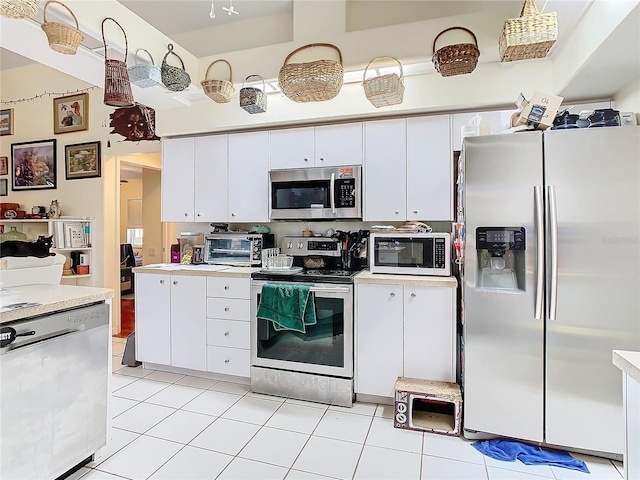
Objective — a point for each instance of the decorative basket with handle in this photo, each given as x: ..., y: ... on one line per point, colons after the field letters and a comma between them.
x: 144, y: 75
x: 316, y: 81
x: 19, y: 8
x: 117, y: 87
x: 174, y: 78
x: 252, y: 99
x: 219, y: 91
x: 529, y: 36
x: 456, y: 59
x: 384, y: 90
x: 62, y: 38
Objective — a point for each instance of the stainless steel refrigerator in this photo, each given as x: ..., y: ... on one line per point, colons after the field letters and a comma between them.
x: 551, y: 283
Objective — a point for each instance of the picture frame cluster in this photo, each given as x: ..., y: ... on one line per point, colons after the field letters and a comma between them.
x: 33, y: 164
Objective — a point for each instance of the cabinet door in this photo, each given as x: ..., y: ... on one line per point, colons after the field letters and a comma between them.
x: 429, y: 340
x: 379, y: 338
x: 153, y: 328
x: 189, y: 322
x: 338, y: 145
x: 291, y: 148
x: 249, y: 177
x: 177, y: 180
x: 429, y: 169
x: 385, y: 170
x: 211, y: 179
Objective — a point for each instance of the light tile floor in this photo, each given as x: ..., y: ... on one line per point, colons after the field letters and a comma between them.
x: 176, y: 427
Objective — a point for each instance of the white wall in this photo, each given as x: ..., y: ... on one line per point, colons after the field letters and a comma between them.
x: 628, y: 99
x: 151, y: 224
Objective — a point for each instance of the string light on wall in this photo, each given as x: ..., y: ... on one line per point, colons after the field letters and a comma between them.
x: 46, y: 94
x: 230, y: 10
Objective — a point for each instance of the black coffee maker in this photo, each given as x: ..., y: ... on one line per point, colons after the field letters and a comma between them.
x: 354, y: 253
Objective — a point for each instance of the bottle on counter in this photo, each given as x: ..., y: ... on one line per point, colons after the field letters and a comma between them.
x: 13, y: 234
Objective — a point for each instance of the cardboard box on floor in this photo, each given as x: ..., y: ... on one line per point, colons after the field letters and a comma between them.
x: 540, y: 111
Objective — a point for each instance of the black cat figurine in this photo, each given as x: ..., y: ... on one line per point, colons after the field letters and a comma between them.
x: 18, y: 248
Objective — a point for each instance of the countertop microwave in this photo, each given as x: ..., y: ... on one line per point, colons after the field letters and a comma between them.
x: 410, y: 253
x: 316, y: 193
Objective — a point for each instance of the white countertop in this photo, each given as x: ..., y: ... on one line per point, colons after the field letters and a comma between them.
x: 628, y: 362
x: 47, y: 299
x: 201, y: 270
x: 412, y: 280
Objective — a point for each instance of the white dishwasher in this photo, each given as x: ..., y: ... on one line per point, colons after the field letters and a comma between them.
x: 53, y: 391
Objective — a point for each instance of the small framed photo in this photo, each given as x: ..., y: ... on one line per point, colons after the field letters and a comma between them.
x: 6, y: 121
x: 4, y: 165
x: 82, y: 160
x: 33, y: 165
x: 71, y: 113
x: 3, y: 187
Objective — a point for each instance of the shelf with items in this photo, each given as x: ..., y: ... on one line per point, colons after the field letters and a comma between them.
x: 71, y: 233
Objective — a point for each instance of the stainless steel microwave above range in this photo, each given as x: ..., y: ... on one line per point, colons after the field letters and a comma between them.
x: 236, y: 248
x: 410, y: 253
x: 316, y: 193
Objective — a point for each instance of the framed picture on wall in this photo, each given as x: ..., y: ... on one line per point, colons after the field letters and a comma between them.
x: 82, y: 160
x: 71, y: 113
x: 33, y: 165
x: 4, y: 165
x: 6, y: 121
x: 3, y: 187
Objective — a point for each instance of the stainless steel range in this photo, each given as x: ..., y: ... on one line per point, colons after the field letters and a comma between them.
x: 316, y: 365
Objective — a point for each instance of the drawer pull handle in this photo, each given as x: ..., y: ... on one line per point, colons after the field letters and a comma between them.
x: 322, y: 159
x: 226, y: 361
x: 413, y: 295
x: 162, y: 282
x: 392, y: 294
x: 186, y: 214
x: 415, y: 211
x: 226, y: 287
x: 306, y: 159
x: 175, y: 282
x: 397, y: 212
x: 226, y: 334
x: 226, y: 309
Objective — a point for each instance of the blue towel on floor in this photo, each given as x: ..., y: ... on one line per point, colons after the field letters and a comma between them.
x: 510, y: 450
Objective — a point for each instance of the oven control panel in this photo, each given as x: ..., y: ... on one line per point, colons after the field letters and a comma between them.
x: 304, y: 246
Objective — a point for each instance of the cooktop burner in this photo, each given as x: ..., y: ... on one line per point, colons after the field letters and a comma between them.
x: 316, y: 275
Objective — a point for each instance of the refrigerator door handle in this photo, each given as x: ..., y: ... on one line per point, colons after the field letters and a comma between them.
x: 539, y: 215
x: 553, y: 240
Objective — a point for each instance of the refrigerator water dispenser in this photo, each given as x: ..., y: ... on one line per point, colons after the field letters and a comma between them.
x: 501, y: 262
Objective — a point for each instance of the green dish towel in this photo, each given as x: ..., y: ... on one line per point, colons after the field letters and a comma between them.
x: 289, y: 307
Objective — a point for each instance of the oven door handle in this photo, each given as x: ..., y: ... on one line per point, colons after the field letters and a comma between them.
x: 329, y: 289
x: 332, y: 192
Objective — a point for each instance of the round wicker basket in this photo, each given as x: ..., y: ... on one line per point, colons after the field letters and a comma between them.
x: 457, y: 59
x: 219, y: 91
x: 62, y: 38
x: 384, y: 90
x: 18, y: 8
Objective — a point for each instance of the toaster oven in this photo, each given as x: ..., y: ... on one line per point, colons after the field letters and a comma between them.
x: 236, y: 248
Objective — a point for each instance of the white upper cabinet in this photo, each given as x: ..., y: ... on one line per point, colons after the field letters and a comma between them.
x: 178, y: 180
x: 249, y: 177
x: 429, y: 169
x: 291, y: 148
x: 328, y: 145
x: 385, y: 170
x: 338, y: 145
x: 211, y: 187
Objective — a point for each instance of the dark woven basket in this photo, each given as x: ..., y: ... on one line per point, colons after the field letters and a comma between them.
x: 456, y: 59
x: 117, y: 87
x: 174, y: 78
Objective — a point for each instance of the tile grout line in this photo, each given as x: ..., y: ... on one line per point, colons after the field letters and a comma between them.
x: 353, y: 475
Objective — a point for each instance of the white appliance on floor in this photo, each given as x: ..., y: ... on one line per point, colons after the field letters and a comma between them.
x: 551, y: 277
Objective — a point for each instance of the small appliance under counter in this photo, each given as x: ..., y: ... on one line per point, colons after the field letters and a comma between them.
x: 54, y: 377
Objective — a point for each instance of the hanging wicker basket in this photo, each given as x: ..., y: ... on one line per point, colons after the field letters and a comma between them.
x: 144, y: 75
x: 18, y: 8
x: 384, y: 90
x: 456, y: 59
x: 252, y: 99
x: 316, y: 81
x: 219, y: 91
x: 62, y: 38
x: 529, y: 36
x: 174, y: 78
x: 117, y: 87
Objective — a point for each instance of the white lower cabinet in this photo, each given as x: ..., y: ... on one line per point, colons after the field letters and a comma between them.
x: 403, y: 330
x: 228, y: 326
x: 171, y: 320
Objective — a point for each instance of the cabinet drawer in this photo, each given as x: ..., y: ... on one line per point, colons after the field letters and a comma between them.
x: 230, y: 361
x: 228, y: 333
x: 229, y: 287
x: 228, y: 309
